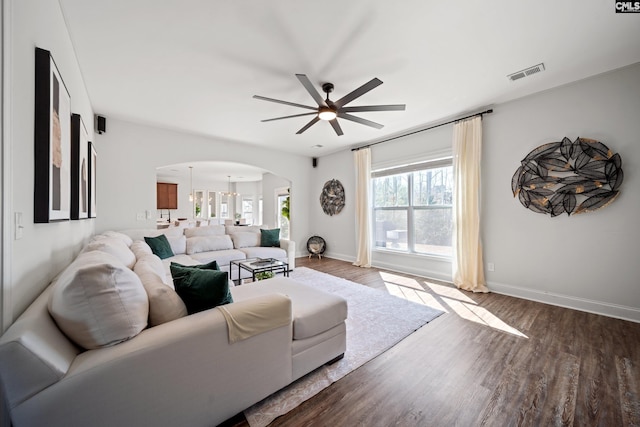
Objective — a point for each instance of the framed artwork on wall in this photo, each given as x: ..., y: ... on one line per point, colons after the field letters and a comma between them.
x: 79, y: 169
x: 92, y: 181
x: 52, y: 140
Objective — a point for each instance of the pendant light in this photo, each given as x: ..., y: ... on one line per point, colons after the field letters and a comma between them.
x: 229, y: 192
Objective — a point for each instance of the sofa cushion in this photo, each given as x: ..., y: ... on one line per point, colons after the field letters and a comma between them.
x: 153, y: 263
x: 314, y: 310
x: 230, y: 229
x: 260, y: 252
x: 164, y: 303
x: 223, y: 258
x: 270, y: 238
x: 208, y: 243
x: 97, y: 301
x: 113, y: 246
x: 181, y: 259
x: 245, y: 239
x: 126, y: 239
x: 140, y: 248
x: 160, y: 246
x: 212, y: 230
x: 201, y: 289
x: 178, y: 244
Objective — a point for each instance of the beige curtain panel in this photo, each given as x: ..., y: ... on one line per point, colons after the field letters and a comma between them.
x: 468, y: 271
x: 362, y: 159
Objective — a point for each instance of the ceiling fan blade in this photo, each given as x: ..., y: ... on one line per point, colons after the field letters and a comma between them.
x: 308, y: 125
x: 360, y: 120
x: 288, y: 117
x: 371, y: 84
x: 336, y: 127
x: 264, y: 98
x: 395, y: 107
x: 311, y: 89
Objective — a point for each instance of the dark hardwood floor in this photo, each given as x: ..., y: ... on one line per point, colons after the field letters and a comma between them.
x: 490, y: 360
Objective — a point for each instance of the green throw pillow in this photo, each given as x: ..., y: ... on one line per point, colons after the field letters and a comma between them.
x: 160, y: 246
x: 201, y: 289
x: 213, y: 265
x: 270, y: 238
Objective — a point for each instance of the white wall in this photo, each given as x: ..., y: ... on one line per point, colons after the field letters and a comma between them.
x: 130, y: 154
x: 45, y: 249
x: 588, y: 261
x: 271, y: 183
x: 338, y: 231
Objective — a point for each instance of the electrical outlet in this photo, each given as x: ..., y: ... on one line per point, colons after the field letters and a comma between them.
x: 491, y: 266
x: 140, y: 216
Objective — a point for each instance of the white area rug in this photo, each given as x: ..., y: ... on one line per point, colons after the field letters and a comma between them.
x: 375, y: 323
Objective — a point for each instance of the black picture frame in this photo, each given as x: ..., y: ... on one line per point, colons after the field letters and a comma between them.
x: 93, y: 159
x: 79, y: 168
x: 52, y: 142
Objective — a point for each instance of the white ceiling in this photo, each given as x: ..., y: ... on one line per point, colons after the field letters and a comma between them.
x: 194, y: 65
x: 210, y: 172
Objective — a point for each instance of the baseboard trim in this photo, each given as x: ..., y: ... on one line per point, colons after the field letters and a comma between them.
x: 567, y: 301
x: 415, y: 271
x: 576, y: 303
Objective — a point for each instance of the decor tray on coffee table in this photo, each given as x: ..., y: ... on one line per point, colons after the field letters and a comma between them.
x: 258, y: 265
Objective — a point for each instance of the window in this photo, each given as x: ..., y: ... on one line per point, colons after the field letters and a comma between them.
x: 247, y: 209
x: 224, y: 207
x: 282, y: 205
x: 412, y: 208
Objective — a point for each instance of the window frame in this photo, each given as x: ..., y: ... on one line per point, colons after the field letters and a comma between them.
x: 409, y: 208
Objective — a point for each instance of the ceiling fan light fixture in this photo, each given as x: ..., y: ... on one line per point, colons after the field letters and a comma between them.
x: 326, y: 113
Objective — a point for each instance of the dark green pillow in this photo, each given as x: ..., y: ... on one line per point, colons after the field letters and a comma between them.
x: 160, y: 246
x: 270, y: 238
x: 201, y: 289
x: 213, y: 265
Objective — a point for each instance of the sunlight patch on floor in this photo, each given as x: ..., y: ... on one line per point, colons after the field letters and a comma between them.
x: 449, y: 292
x: 400, y: 280
x: 415, y: 295
x: 445, y: 298
x: 480, y: 315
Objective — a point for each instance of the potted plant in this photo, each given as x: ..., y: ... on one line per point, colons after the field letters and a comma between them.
x: 264, y: 275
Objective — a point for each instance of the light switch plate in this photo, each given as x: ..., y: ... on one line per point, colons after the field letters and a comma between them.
x: 18, y: 225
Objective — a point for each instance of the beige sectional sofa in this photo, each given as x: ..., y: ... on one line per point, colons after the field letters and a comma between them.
x: 219, y: 243
x: 109, y: 342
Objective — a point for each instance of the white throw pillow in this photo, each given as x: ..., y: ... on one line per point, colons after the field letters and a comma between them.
x: 113, y: 246
x: 212, y: 230
x: 178, y: 244
x: 231, y: 229
x: 126, y: 239
x: 140, y: 249
x: 208, y: 243
x: 150, y: 263
x: 245, y: 239
x: 99, y: 302
x: 165, y: 304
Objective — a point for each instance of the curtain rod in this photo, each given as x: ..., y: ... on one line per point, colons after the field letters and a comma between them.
x: 422, y: 130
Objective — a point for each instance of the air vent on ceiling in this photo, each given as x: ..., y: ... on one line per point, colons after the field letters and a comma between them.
x: 526, y: 72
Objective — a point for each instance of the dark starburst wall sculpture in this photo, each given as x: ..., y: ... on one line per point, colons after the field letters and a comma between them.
x: 572, y: 177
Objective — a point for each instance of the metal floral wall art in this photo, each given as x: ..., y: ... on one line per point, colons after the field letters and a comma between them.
x: 572, y: 177
x: 332, y: 197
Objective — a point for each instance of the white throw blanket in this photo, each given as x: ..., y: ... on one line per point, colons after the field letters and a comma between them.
x: 256, y: 315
